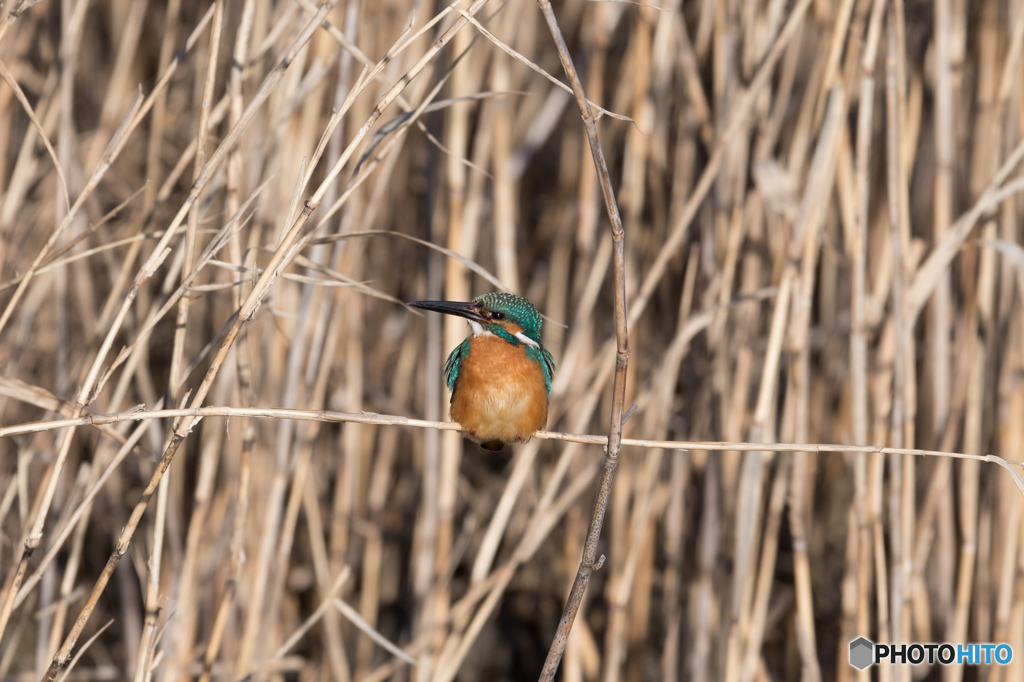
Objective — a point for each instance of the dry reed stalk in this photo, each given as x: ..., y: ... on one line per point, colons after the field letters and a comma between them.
x: 114, y: 147
x: 504, y: 188
x: 547, y: 514
x: 858, y: 339
x: 183, y: 626
x: 899, y: 543
x: 234, y: 182
x: 146, y: 643
x: 822, y: 171
x: 116, y: 144
x: 159, y: 254
x: 590, y: 560
x: 142, y: 414
x: 461, y: 238
x: 641, y: 527
x: 944, y: 207
x: 34, y: 534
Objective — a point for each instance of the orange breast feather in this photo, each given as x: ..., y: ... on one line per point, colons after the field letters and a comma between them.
x: 500, y: 394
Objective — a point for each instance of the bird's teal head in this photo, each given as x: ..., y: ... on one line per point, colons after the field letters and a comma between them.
x: 506, y: 315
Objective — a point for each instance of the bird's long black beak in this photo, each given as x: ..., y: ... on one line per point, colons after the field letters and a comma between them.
x: 469, y: 310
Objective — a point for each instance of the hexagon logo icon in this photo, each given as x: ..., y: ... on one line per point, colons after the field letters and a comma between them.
x: 861, y: 650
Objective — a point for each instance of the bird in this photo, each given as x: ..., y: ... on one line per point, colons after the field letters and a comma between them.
x: 499, y: 376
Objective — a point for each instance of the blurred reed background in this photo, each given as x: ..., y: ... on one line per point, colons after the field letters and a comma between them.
x: 822, y: 223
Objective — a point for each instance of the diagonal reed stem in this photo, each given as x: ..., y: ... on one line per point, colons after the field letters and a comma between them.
x: 590, y: 561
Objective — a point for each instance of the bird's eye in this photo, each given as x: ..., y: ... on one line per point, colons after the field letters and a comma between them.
x: 497, y: 316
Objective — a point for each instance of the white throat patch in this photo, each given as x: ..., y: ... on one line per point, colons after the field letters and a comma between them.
x: 527, y: 340
x: 478, y: 329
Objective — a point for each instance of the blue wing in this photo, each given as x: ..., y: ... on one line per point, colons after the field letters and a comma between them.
x: 547, y: 363
x: 454, y: 361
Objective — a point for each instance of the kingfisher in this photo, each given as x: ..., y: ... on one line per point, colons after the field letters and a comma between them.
x: 500, y: 375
